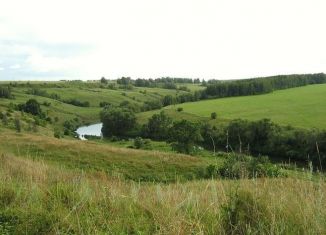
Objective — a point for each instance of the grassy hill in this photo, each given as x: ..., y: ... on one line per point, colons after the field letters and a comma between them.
x: 92, y: 92
x: 91, y: 156
x: 41, y: 198
x: 68, y: 186
x: 301, y: 107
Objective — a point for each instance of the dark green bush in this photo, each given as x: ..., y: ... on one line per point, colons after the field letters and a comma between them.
x: 242, y: 166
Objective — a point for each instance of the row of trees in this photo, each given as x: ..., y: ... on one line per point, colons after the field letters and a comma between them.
x: 257, y: 86
x: 255, y: 138
x: 242, y: 88
x: 264, y: 137
x: 165, y: 82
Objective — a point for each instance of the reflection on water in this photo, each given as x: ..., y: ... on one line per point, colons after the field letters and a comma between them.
x: 94, y: 130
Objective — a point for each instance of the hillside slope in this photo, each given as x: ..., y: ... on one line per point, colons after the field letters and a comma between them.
x: 300, y: 107
x: 38, y: 198
x: 139, y: 165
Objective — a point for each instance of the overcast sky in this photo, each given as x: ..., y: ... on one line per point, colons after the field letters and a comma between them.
x: 222, y: 39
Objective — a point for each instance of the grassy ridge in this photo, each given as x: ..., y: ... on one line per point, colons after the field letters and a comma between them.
x: 38, y: 198
x: 301, y: 107
x: 131, y: 164
x: 82, y: 91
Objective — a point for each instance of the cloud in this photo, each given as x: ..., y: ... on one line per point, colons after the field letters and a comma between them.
x: 185, y: 38
x: 16, y: 66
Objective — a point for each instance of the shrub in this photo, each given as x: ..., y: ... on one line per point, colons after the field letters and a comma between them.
x: 151, y: 105
x: 104, y: 104
x: 57, y: 134
x: 45, y: 103
x: 242, y: 166
x: 31, y: 106
x: 76, y: 102
x: 139, y: 143
x: 179, y: 109
x: 213, y: 115
x: 18, y: 125
x: 112, y: 86
x: 243, y: 214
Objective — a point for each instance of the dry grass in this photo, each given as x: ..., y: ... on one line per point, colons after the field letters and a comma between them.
x: 38, y: 198
x: 89, y: 156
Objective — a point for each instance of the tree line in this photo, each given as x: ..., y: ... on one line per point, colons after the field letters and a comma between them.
x: 255, y: 138
x: 164, y: 82
x: 256, y: 86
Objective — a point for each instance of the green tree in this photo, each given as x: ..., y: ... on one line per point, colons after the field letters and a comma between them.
x: 103, y: 80
x: 184, y: 135
x: 117, y: 121
x: 167, y: 100
x: 33, y: 107
x: 158, y: 126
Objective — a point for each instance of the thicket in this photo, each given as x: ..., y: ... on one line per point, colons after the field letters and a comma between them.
x: 264, y: 137
x: 240, y: 166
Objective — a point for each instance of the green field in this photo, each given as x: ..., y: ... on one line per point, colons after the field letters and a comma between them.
x: 105, y: 186
x: 301, y: 107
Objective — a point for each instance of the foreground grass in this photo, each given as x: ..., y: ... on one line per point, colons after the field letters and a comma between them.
x: 37, y: 198
x: 300, y: 107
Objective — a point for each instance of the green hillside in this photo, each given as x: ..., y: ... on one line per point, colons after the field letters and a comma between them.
x: 91, y: 92
x: 107, y: 186
x: 300, y: 107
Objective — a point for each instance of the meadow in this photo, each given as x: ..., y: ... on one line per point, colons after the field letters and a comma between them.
x: 300, y: 107
x: 138, y: 165
x: 90, y: 92
x: 41, y: 198
x: 104, y: 186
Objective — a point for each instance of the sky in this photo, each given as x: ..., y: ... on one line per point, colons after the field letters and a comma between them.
x: 210, y: 39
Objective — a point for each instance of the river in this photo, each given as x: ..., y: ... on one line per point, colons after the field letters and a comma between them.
x: 93, y: 130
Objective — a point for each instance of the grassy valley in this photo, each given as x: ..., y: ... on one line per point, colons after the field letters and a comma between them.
x: 165, y: 164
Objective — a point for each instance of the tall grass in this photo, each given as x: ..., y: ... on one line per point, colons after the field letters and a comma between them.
x: 36, y: 198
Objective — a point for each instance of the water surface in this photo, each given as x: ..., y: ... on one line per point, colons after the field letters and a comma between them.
x: 94, y: 130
